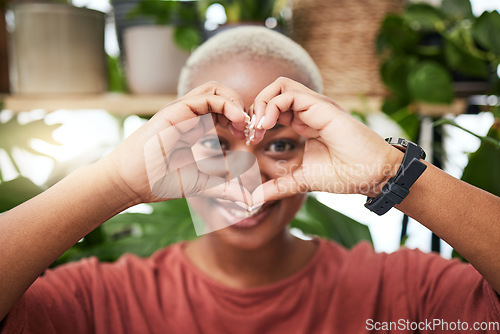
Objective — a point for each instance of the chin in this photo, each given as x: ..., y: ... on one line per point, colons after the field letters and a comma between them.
x: 243, y: 230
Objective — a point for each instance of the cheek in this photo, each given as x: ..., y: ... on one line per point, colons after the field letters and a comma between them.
x: 274, y: 168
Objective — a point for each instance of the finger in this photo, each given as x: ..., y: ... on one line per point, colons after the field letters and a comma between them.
x: 215, y: 88
x: 307, y: 109
x: 203, y: 104
x: 216, y: 187
x: 281, y: 187
x: 240, y: 134
x: 279, y: 86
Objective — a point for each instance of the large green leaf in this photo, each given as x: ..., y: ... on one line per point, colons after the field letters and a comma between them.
x: 423, y: 16
x: 170, y: 222
x: 14, y: 134
x: 462, y: 61
x: 137, y: 233
x: 457, y: 9
x: 483, y: 169
x: 315, y: 218
x: 396, y: 35
x: 17, y: 191
x: 431, y: 82
x: 395, y: 72
x: 400, y: 112
x: 486, y: 30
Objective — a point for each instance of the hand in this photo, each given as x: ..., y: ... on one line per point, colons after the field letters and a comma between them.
x: 341, y: 154
x: 155, y: 163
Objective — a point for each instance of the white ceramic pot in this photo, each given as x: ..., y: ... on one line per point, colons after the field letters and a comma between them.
x: 153, y: 61
x: 57, y: 48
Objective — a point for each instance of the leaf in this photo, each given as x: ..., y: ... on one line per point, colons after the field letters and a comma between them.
x: 403, y: 116
x: 17, y: 191
x: 484, y: 139
x: 422, y: 16
x: 116, y: 76
x: 462, y: 61
x: 486, y: 30
x: 457, y: 9
x: 318, y: 219
x: 484, y: 164
x: 395, y: 72
x: 396, y: 35
x: 431, y: 82
x: 14, y: 134
x: 187, y: 38
x: 138, y: 233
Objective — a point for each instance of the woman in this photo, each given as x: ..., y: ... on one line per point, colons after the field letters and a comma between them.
x: 252, y: 276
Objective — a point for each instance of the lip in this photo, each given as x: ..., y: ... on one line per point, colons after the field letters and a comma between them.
x: 234, y: 215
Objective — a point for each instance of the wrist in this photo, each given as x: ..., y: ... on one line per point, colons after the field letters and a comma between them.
x: 390, y: 166
x: 112, y: 187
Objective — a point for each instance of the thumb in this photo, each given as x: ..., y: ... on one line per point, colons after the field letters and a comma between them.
x: 231, y: 190
x: 281, y: 187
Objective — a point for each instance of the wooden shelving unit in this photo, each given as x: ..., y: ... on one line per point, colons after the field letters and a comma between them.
x: 119, y: 104
x: 143, y: 105
x: 146, y: 105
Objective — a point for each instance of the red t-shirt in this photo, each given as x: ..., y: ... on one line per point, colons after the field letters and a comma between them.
x: 338, y: 291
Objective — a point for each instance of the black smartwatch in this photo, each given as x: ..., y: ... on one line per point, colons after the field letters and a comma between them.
x: 398, y: 187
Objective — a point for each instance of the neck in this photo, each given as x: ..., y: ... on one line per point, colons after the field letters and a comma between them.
x: 244, y: 268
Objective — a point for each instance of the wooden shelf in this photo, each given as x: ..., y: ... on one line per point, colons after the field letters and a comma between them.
x: 119, y: 104
x: 147, y: 105
x: 128, y: 104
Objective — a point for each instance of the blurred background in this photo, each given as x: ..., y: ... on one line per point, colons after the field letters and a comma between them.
x: 76, y: 77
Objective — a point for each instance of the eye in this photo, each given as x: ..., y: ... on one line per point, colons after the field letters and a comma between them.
x: 214, y: 143
x: 281, y: 146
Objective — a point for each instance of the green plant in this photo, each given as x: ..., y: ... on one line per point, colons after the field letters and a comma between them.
x: 424, y: 48
x: 244, y: 10
x: 169, y: 222
x: 182, y: 15
x: 16, y: 135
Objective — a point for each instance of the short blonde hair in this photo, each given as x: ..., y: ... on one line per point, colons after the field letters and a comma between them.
x: 252, y: 42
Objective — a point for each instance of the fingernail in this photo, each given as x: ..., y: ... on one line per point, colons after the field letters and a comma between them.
x: 252, y: 122
x: 247, y: 118
x: 261, y: 122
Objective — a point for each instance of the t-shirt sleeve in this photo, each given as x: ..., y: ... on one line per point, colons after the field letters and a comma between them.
x: 445, y: 290
x: 57, y: 302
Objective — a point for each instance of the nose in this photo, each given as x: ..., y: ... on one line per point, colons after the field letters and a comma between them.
x: 245, y: 159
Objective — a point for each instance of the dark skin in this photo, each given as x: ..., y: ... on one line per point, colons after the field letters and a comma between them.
x: 35, y: 233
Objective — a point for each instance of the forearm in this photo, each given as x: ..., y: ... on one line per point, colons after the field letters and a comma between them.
x: 38, y: 231
x: 466, y: 217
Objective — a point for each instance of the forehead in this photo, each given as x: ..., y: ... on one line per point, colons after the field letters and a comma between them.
x: 246, y: 76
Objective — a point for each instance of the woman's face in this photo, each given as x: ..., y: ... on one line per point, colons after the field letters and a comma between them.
x: 278, y: 153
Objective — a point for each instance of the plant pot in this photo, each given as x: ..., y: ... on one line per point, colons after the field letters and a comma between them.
x: 57, y: 48
x: 121, y: 12
x: 153, y: 61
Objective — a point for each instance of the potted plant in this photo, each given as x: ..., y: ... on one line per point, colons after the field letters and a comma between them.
x: 435, y: 54
x: 270, y: 13
x: 154, y: 54
x: 56, y: 48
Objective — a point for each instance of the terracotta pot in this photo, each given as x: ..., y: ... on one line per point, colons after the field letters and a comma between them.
x: 57, y: 48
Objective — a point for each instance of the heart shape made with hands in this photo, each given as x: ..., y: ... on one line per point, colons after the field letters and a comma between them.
x: 186, y: 160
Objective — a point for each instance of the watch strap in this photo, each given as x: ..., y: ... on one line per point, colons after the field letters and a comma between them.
x: 398, y: 187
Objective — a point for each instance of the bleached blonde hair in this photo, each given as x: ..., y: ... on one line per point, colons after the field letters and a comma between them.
x: 251, y: 42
